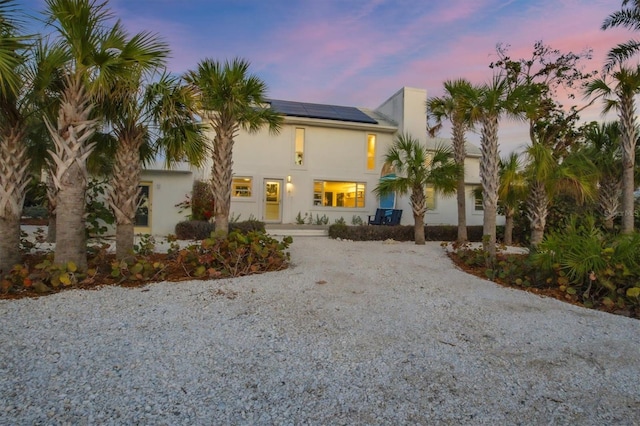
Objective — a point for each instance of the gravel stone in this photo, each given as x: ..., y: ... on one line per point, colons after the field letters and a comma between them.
x: 352, y: 333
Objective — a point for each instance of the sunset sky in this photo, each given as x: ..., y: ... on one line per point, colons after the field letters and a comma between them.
x: 360, y: 52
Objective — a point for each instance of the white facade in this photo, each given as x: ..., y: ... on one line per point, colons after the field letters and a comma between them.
x: 316, y: 168
x: 163, y: 189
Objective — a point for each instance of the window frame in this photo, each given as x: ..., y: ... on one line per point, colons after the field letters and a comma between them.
x: 430, y: 189
x: 234, y: 190
x: 303, y: 159
x: 359, y: 195
x: 478, y: 201
x: 370, y: 161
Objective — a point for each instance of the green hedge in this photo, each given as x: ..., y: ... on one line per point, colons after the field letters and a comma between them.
x: 402, y: 232
x: 201, y: 229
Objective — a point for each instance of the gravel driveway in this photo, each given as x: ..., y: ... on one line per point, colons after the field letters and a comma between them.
x: 353, y: 333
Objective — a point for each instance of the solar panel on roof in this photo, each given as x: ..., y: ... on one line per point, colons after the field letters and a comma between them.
x: 327, y: 112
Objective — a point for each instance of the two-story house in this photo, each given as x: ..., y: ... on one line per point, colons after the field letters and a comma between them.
x: 325, y: 161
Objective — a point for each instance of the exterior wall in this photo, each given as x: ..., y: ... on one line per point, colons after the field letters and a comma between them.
x: 168, y: 188
x: 333, y: 151
x: 407, y: 108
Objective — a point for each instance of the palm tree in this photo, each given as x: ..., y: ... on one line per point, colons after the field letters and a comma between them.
x: 620, y: 97
x: 603, y: 148
x: 627, y: 17
x: 511, y: 192
x: 487, y: 104
x: 47, y: 84
x: 160, y: 119
x: 548, y: 176
x: 14, y: 163
x: 230, y: 99
x: 416, y: 168
x: 455, y: 107
x: 97, y: 56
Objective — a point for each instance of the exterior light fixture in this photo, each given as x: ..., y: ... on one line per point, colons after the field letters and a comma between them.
x: 288, y: 178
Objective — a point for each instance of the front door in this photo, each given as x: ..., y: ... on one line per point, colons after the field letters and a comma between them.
x: 272, y: 200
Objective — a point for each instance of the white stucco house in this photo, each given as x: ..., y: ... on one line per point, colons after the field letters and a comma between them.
x: 325, y: 161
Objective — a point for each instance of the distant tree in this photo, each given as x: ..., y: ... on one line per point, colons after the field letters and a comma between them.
x: 416, y: 168
x: 454, y: 106
x: 230, y: 99
x: 619, y: 95
x: 511, y: 192
x: 602, y: 146
x: 549, y: 176
x: 626, y: 17
x: 541, y: 77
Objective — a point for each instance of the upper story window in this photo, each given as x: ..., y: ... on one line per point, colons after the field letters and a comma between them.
x: 338, y: 194
x: 241, y: 187
x: 299, y: 147
x: 477, y: 200
x: 430, y: 194
x: 371, y: 152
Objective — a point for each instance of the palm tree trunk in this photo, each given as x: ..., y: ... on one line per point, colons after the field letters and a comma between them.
x: 418, y: 230
x: 489, y: 176
x: 74, y: 129
x: 71, y: 239
x: 459, y: 152
x: 508, y: 227
x: 221, y: 179
x: 628, y: 142
x: 51, y: 208
x: 13, y: 182
x: 418, y: 202
x: 9, y: 243
x: 462, y: 211
x: 537, y: 210
x: 124, y: 190
x: 609, y: 198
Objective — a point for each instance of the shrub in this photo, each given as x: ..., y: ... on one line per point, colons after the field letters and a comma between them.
x: 400, y: 232
x: 200, y: 201
x: 199, y: 229
x: 321, y: 220
x: 194, y: 230
x: 36, y: 212
x: 215, y: 257
x: 236, y: 255
x: 251, y: 225
x: 589, y: 266
x: 300, y: 220
x: 97, y: 213
x: 356, y: 220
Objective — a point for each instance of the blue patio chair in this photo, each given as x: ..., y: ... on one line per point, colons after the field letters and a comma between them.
x: 394, y: 218
x: 378, y: 218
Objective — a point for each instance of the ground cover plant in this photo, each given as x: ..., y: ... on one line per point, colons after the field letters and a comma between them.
x: 581, y: 265
x: 218, y: 256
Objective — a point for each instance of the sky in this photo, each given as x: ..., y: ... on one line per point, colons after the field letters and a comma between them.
x: 360, y: 52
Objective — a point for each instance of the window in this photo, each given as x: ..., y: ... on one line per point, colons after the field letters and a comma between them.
x: 338, y: 194
x: 144, y: 204
x: 430, y: 194
x: 299, y: 147
x: 241, y: 187
x: 477, y: 200
x: 371, y: 152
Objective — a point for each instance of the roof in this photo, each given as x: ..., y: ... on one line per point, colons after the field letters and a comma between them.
x: 322, y: 111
